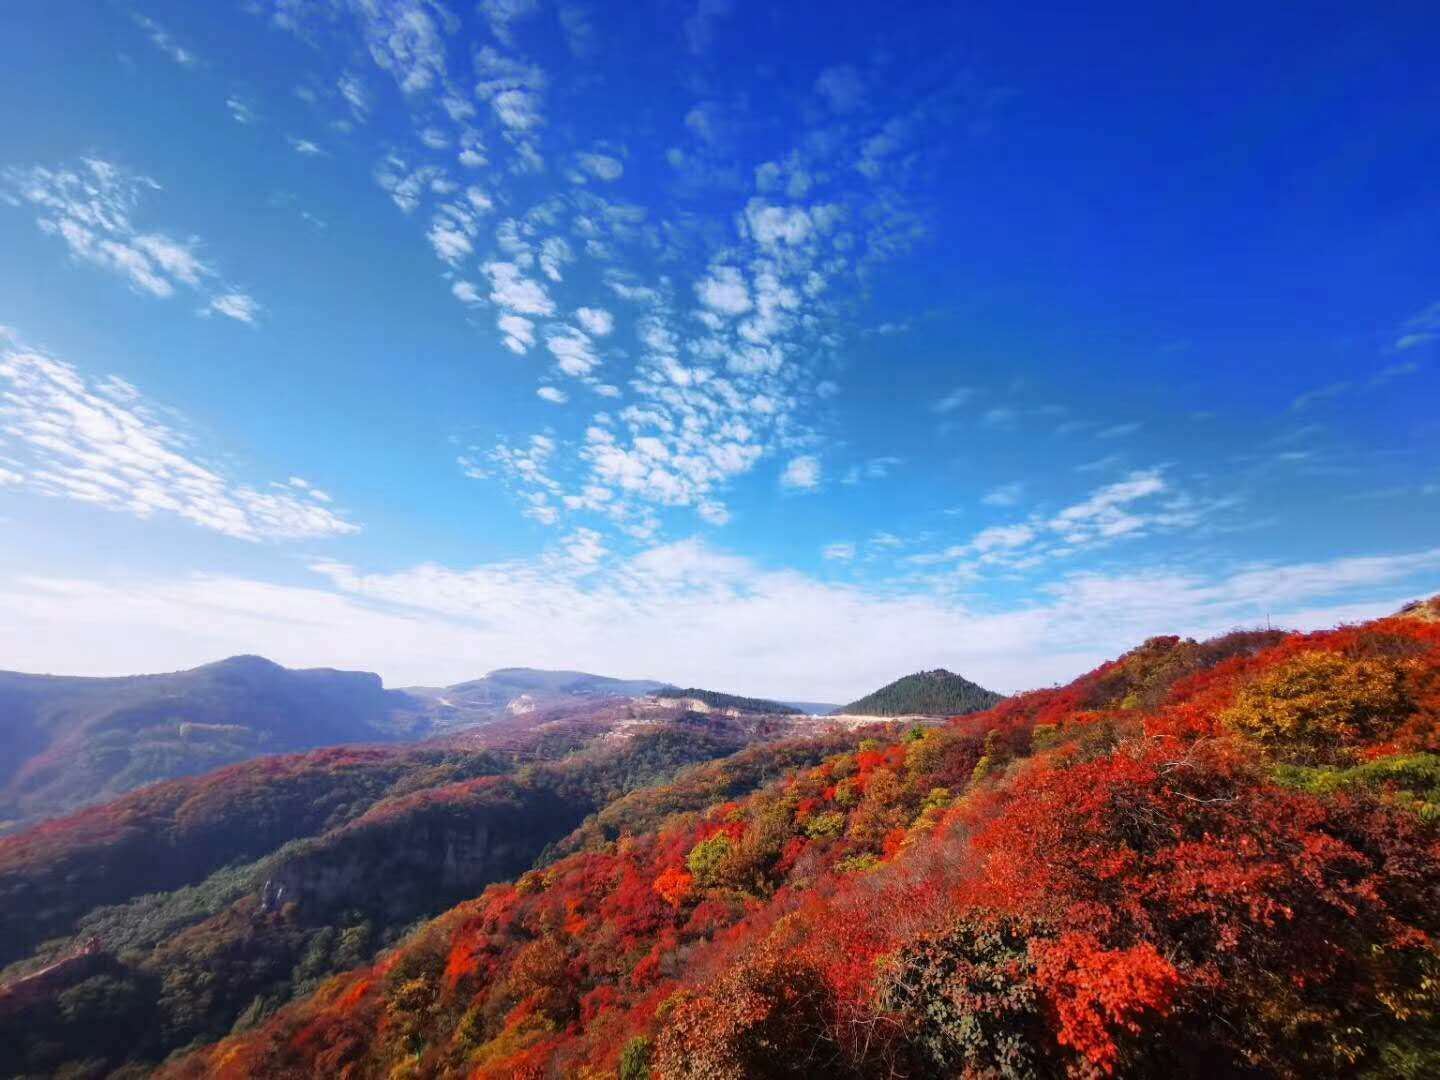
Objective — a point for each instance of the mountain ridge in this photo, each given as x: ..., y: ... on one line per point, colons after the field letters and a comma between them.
x: 67, y: 741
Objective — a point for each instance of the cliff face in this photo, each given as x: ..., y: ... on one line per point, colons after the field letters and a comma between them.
x: 54, y: 978
x: 398, y: 867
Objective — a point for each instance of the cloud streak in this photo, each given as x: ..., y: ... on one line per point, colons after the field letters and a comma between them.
x: 90, y: 207
x: 99, y: 442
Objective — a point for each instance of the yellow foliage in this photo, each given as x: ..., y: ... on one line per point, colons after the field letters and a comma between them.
x: 1323, y: 702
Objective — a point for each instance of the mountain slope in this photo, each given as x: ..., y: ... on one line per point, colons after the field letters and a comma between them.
x: 1201, y: 859
x: 192, y: 905
x: 513, y: 691
x: 926, y: 693
x: 181, y: 910
x: 66, y: 742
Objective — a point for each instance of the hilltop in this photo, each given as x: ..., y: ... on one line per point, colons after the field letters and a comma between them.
x: 926, y: 693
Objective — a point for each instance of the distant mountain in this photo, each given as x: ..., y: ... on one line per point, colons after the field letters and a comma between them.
x: 714, y: 699
x: 66, y: 741
x: 926, y: 693
x: 514, y: 691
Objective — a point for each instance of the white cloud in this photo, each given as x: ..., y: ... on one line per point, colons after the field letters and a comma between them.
x: 953, y: 400
x: 1002, y: 538
x: 552, y: 394
x: 801, y: 473
x: 240, y: 109
x: 578, y: 25
x: 405, y: 40
x: 305, y: 147
x: 838, y: 552
x: 519, y: 332
x: 1422, y: 329
x: 1320, y: 393
x: 509, y: 288
x: 503, y: 14
x: 700, y: 26
x: 595, y: 321
x: 724, y: 290
x: 842, y: 88
x: 572, y: 351
x: 91, y: 208
x: 100, y: 443
x: 712, y: 512
x: 352, y: 89
x: 237, y: 306
x: 1108, y: 514
x: 513, y: 88
x: 772, y: 226
x: 601, y: 166
x: 1118, y: 431
x: 876, y: 468
x: 555, y: 252
x: 1391, y: 372
x: 1004, y: 495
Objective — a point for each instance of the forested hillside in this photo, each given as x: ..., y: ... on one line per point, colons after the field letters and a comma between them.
x: 177, y: 912
x: 926, y: 693
x: 66, y: 742
x: 1201, y: 859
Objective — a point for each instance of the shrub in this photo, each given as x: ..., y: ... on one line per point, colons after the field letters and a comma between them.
x: 968, y: 999
x: 707, y: 859
x: 1322, y: 704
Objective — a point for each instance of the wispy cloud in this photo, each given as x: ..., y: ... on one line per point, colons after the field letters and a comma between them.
x: 241, y: 111
x: 1004, y: 495
x: 100, y: 442
x: 954, y: 399
x: 1421, y: 329
x: 237, y: 306
x: 1391, y: 372
x: 701, y: 24
x: 163, y: 40
x: 1108, y: 514
x: 876, y: 468
x: 90, y: 207
x: 1118, y: 431
x: 1319, y: 394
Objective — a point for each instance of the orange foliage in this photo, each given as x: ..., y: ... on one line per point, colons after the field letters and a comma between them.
x: 674, y: 886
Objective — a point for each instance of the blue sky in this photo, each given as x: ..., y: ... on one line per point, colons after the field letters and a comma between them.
x: 778, y: 348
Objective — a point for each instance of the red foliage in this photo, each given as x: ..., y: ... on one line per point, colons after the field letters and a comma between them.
x: 1096, y: 991
x: 675, y: 886
x: 1158, y: 880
